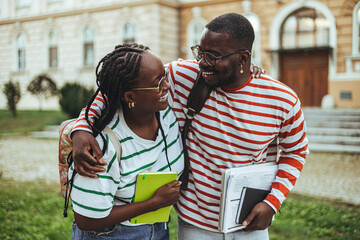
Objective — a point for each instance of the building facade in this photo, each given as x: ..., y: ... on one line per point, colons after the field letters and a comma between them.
x: 311, y: 45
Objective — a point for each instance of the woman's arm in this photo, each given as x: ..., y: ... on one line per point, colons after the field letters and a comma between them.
x: 165, y: 196
x: 83, y: 141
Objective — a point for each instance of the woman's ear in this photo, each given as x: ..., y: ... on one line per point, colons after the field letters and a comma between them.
x: 129, y: 96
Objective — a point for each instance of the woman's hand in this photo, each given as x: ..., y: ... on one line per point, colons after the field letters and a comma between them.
x: 167, y: 195
x: 256, y: 71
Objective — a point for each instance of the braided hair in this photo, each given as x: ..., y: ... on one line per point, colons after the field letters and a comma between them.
x: 115, y: 75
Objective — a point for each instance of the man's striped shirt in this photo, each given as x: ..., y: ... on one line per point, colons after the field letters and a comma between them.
x: 95, y: 198
x: 237, y: 127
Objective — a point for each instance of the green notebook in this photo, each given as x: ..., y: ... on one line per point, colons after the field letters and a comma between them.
x: 146, y: 186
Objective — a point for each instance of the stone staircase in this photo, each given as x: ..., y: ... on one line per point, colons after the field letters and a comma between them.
x: 335, y: 130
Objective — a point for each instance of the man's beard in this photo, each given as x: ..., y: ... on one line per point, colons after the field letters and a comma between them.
x: 224, y: 82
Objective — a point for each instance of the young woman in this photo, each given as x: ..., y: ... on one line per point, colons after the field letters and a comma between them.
x: 134, y: 88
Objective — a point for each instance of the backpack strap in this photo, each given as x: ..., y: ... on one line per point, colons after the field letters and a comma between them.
x: 199, y: 93
x: 115, y: 141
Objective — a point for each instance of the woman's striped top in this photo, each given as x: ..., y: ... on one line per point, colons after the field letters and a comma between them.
x: 94, y: 198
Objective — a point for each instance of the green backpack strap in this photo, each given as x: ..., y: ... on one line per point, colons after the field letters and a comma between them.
x: 199, y: 93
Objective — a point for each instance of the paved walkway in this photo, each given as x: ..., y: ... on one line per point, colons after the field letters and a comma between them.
x: 330, y: 175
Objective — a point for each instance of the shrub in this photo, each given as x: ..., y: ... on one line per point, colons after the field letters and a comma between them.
x: 12, y: 92
x: 42, y: 86
x: 73, y: 97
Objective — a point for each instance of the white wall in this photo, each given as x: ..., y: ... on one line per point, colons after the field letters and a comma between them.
x: 157, y: 27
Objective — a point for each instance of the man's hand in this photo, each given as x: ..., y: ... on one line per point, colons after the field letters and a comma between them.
x: 256, y: 71
x: 259, y: 218
x: 85, y: 163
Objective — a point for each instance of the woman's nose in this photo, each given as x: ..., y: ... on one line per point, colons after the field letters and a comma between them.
x: 166, y: 86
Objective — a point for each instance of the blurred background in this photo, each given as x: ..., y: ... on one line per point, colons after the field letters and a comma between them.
x: 48, y: 53
x: 311, y: 45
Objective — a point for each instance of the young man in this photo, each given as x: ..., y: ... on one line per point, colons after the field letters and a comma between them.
x: 243, y: 122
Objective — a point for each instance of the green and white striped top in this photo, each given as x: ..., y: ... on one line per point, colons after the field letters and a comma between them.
x: 95, y: 198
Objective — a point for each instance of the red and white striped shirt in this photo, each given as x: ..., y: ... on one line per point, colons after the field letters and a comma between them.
x: 237, y: 127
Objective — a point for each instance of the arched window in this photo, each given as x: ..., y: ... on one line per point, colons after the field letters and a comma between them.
x: 194, y: 32
x: 305, y: 28
x: 129, y: 32
x: 22, y: 3
x: 20, y: 52
x: 358, y: 26
x: 356, y: 30
x: 89, y: 46
x: 256, y: 49
x: 255, y: 22
x: 53, y: 49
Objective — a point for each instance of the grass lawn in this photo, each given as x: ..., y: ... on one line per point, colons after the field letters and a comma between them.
x: 304, y: 217
x: 29, y: 120
x: 33, y: 210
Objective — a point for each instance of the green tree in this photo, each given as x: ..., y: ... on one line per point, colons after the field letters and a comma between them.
x: 73, y: 97
x: 43, y: 87
x: 12, y: 92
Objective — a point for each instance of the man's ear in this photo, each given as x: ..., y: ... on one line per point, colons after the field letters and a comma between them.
x: 245, y: 56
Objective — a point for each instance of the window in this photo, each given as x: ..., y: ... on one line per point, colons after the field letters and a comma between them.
x: 22, y: 3
x: 255, y: 22
x: 197, y: 29
x: 305, y: 28
x: 255, y: 53
x: 356, y: 30
x: 20, y: 52
x: 194, y: 32
x: 89, y: 47
x: 358, y: 24
x: 129, y: 33
x: 53, y: 49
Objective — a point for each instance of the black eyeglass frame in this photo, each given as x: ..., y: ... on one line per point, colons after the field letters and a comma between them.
x: 198, y: 54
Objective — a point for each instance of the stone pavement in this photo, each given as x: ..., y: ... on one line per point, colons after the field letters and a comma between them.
x: 329, y: 175
x: 26, y: 159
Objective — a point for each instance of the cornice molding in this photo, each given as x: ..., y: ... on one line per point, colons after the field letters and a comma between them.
x: 88, y: 10
x: 205, y: 3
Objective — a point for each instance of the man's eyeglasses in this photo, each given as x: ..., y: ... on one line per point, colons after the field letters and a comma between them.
x: 160, y: 85
x: 209, y: 58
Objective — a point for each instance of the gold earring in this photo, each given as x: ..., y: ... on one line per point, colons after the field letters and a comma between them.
x: 241, y: 70
x: 131, y: 105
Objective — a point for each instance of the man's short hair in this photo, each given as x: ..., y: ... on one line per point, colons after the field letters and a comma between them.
x: 237, y: 26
